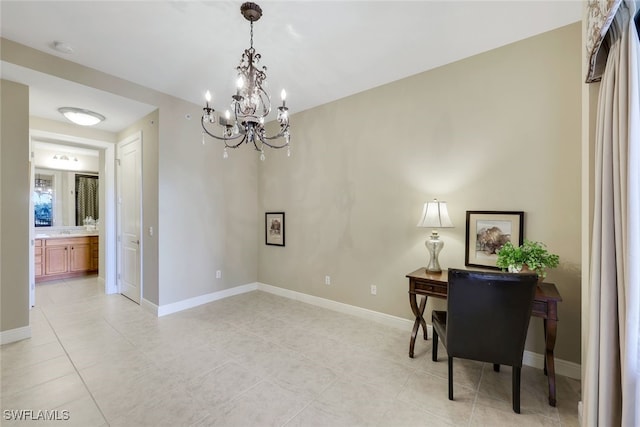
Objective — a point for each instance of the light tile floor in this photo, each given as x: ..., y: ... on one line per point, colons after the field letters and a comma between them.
x: 250, y: 360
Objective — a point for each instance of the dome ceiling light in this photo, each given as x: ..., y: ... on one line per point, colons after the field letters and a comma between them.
x: 81, y: 117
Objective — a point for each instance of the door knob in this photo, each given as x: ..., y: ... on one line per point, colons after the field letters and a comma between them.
x: 137, y: 242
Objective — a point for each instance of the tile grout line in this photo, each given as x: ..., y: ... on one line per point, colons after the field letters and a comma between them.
x: 475, y: 397
x: 75, y: 368
x: 315, y: 399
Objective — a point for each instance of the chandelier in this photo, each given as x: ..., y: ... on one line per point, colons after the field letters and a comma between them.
x: 250, y: 105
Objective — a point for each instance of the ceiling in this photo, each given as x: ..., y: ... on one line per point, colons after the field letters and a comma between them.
x: 319, y: 51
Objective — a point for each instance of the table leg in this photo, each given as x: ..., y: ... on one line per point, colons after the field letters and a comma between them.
x: 550, y: 338
x: 544, y: 325
x: 418, y: 312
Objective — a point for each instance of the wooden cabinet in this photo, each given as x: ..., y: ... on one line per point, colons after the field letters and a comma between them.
x: 56, y: 259
x: 38, y: 258
x: 66, y: 257
x: 94, y: 259
x: 80, y: 257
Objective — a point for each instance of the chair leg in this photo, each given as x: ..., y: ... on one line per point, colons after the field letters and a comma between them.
x: 496, y: 367
x: 434, y: 346
x: 450, y: 378
x: 515, y: 379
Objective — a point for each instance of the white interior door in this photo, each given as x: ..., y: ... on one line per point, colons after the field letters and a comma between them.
x: 129, y: 216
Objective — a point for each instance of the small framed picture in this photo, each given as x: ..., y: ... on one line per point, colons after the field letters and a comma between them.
x: 274, y: 228
x: 487, y: 231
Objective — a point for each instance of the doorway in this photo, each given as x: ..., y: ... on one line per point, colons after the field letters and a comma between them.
x: 107, y: 229
x: 129, y: 184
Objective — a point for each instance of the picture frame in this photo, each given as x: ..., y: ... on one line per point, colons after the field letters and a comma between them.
x: 487, y: 231
x: 274, y: 228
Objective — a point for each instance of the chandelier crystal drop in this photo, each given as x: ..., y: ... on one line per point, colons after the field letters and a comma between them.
x: 250, y: 106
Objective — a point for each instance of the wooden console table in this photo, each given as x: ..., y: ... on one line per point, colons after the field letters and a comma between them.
x: 545, y: 305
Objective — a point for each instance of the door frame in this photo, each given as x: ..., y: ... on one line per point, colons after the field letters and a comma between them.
x: 108, y: 228
x: 118, y: 199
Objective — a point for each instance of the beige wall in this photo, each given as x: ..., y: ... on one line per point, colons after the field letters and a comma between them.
x: 62, y: 128
x: 206, y: 211
x: 201, y: 208
x: 14, y: 206
x: 497, y: 131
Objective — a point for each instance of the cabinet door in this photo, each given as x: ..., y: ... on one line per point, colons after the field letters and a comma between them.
x: 94, y: 254
x: 80, y: 257
x: 56, y: 259
x: 38, y: 258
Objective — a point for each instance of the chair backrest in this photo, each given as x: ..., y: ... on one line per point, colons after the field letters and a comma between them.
x: 488, y: 315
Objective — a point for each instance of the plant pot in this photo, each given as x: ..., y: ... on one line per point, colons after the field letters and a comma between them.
x: 524, y: 269
x: 515, y: 269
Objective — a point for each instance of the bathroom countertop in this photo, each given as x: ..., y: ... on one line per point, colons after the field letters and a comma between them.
x: 65, y: 235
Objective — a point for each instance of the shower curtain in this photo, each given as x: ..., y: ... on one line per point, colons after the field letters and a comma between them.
x: 86, y: 198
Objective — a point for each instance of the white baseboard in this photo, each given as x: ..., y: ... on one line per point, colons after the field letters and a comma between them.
x: 375, y: 316
x: 13, y: 335
x: 174, y: 307
x: 580, y: 412
x: 149, y: 306
x: 563, y: 367
x: 107, y: 290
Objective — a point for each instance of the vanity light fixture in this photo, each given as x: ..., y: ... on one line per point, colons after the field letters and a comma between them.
x: 251, y: 104
x: 81, y: 117
x: 434, y: 215
x: 64, y: 157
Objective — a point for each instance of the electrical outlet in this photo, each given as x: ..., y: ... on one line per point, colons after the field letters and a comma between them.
x: 374, y: 290
x: 218, y: 274
x: 327, y: 280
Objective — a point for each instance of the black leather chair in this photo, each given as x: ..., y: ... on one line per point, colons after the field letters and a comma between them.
x: 486, y: 320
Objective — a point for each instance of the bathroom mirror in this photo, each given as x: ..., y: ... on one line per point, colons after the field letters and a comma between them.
x: 64, y: 198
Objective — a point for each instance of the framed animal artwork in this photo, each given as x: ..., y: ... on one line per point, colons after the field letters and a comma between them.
x: 487, y: 231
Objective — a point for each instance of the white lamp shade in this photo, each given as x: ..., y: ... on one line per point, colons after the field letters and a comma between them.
x: 435, y: 215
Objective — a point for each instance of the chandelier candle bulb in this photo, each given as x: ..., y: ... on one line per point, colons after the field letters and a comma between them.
x: 208, y: 115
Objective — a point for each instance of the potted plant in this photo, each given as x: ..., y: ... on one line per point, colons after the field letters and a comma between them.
x: 533, y: 256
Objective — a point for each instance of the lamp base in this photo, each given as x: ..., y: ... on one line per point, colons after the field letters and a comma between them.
x: 434, y: 245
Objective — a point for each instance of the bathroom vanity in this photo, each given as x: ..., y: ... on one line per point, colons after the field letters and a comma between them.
x: 63, y: 256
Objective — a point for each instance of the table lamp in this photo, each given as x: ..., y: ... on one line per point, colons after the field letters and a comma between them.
x: 434, y: 215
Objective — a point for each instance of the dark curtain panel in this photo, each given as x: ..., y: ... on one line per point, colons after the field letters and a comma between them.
x: 86, y: 198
